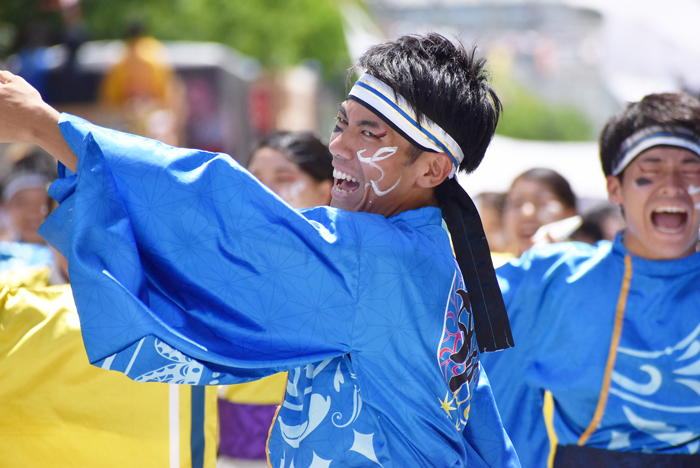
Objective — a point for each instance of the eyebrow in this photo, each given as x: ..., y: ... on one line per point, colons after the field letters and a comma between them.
x: 359, y: 123
x: 283, y: 170
x: 367, y: 123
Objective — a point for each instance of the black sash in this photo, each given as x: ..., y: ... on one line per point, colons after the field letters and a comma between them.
x: 573, y: 456
x: 474, y: 258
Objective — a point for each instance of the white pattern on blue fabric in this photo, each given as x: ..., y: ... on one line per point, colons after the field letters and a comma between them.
x: 239, y: 286
x: 184, y: 369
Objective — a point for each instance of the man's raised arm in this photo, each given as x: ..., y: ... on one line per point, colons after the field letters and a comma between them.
x: 24, y: 116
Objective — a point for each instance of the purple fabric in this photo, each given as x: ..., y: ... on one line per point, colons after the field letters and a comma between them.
x: 244, y: 429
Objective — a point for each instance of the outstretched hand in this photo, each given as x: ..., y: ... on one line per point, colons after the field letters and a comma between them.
x: 24, y: 116
x: 19, y: 106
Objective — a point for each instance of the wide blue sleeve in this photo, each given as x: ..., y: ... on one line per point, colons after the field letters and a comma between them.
x: 186, y: 269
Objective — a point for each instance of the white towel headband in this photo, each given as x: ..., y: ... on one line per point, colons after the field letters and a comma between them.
x: 23, y: 182
x: 650, y: 137
x: 381, y: 98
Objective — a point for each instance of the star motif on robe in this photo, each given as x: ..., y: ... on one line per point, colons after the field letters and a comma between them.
x: 447, y: 405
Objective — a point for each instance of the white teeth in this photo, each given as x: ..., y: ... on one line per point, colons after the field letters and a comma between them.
x: 343, y: 176
x: 670, y: 209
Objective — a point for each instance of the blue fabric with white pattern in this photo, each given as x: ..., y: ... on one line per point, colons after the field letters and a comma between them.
x: 186, y: 269
x: 561, y: 302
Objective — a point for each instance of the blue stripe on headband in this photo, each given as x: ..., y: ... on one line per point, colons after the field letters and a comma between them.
x: 410, y: 119
x: 654, y: 135
x: 640, y: 139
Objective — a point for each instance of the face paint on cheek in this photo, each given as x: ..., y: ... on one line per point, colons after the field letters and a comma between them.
x: 380, y: 155
x: 693, y: 190
x: 641, y: 182
x: 550, y: 212
x: 528, y: 209
x: 291, y: 193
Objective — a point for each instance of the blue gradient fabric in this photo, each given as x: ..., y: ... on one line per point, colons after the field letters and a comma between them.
x: 187, y: 270
x: 561, y: 301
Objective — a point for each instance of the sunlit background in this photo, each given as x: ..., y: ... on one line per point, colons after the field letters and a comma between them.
x: 243, y: 68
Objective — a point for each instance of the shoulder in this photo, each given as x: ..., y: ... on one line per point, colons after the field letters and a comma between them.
x: 553, y: 267
x: 557, y: 259
x: 402, y: 228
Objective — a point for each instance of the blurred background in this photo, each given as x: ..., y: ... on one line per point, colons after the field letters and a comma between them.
x: 220, y: 74
x: 229, y: 75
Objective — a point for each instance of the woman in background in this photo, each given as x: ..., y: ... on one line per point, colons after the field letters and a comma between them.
x: 297, y: 166
x: 536, y: 198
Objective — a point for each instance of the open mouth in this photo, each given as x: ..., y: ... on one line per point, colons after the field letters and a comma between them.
x: 669, y: 219
x: 344, y: 183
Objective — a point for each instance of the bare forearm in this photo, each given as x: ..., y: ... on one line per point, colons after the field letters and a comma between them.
x: 48, y: 135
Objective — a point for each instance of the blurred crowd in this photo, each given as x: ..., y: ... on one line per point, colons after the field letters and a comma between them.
x: 539, y: 208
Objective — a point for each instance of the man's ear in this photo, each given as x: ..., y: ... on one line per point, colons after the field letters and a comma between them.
x: 434, y: 169
x: 614, y: 190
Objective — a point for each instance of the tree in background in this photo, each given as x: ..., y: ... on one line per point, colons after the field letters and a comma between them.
x: 528, y: 117
x: 276, y: 32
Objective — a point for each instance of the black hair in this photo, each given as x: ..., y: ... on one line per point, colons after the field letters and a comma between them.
x: 589, y: 232
x: 496, y: 200
x: 666, y: 109
x: 554, y: 181
x: 444, y: 82
x: 305, y: 149
x: 594, y: 220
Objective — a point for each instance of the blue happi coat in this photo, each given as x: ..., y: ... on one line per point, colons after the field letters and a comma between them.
x: 185, y: 269
x: 562, y: 302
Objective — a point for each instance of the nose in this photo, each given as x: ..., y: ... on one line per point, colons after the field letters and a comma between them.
x: 338, y: 146
x: 673, y: 184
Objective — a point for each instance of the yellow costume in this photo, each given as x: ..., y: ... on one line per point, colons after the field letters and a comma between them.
x: 59, y: 411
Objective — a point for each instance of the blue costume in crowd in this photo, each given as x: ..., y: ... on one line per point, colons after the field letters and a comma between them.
x: 587, y: 318
x: 185, y: 269
x: 15, y: 255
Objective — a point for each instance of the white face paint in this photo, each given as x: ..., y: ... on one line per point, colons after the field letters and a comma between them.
x: 291, y: 194
x: 380, y: 155
x: 693, y: 190
x: 550, y: 212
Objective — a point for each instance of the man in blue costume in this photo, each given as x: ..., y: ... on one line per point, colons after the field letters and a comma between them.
x: 611, y: 333
x: 187, y: 270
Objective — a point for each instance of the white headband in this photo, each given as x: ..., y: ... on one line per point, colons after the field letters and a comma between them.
x: 381, y: 98
x: 650, y: 137
x: 23, y: 182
